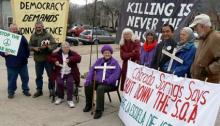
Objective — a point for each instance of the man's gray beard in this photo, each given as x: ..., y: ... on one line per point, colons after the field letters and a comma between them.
x: 201, y: 35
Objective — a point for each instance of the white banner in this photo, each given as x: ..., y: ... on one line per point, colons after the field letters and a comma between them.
x: 153, y: 98
x: 9, y: 42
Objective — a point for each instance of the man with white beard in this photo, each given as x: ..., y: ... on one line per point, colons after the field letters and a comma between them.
x: 206, y: 65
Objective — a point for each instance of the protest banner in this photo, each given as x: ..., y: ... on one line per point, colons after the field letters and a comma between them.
x: 150, y: 14
x: 154, y: 98
x: 53, y: 13
x: 9, y: 42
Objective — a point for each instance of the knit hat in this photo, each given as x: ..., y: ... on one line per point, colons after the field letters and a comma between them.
x: 106, y: 47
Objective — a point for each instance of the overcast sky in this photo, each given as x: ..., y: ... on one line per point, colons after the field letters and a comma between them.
x: 81, y: 2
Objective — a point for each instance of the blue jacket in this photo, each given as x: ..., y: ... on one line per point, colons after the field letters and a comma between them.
x: 112, y: 75
x: 22, y: 55
x: 187, y: 54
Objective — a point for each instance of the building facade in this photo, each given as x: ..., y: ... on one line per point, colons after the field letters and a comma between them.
x: 5, y: 14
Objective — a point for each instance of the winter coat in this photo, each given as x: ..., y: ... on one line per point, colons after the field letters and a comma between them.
x: 35, y: 41
x: 112, y: 75
x: 128, y: 51
x: 159, y: 58
x: 187, y: 54
x: 146, y: 57
x: 22, y: 55
x: 207, y: 59
x: 74, y: 59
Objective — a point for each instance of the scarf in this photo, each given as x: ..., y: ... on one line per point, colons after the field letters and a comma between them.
x: 149, y: 47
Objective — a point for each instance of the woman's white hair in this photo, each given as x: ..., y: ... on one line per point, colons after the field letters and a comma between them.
x: 65, y: 44
x: 189, y: 31
x: 127, y: 30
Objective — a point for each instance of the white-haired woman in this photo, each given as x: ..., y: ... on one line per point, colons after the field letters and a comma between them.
x: 66, y: 70
x: 129, y: 50
x: 186, y: 51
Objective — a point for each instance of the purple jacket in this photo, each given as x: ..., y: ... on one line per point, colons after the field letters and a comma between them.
x: 146, y: 57
x: 112, y: 75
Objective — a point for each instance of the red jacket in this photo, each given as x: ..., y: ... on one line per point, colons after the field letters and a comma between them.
x: 129, y: 51
x: 73, y: 57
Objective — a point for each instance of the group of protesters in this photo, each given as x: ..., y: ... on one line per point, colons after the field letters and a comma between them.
x: 60, y: 63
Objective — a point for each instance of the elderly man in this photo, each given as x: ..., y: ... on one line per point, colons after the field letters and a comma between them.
x: 17, y: 65
x: 42, y: 43
x: 207, y: 59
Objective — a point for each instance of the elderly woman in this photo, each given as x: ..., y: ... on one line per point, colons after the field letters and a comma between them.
x: 102, y: 84
x: 129, y: 50
x: 66, y: 69
x: 185, y: 51
x: 148, y: 49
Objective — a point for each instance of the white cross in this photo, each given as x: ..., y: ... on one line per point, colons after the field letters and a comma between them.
x: 63, y: 69
x: 172, y: 57
x: 105, y: 67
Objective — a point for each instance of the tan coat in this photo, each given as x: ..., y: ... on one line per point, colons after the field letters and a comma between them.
x: 207, y: 59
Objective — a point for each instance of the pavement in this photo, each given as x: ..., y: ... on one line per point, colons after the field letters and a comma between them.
x: 28, y: 111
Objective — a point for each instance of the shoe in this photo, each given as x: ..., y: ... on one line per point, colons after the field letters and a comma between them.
x: 37, y: 94
x: 51, y: 93
x: 58, y: 101
x: 98, y: 114
x: 71, y: 104
x: 27, y: 94
x: 87, y: 108
x: 11, y: 96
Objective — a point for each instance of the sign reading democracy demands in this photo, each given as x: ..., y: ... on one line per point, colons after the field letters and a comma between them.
x: 140, y: 15
x: 53, y: 13
x: 153, y: 98
x: 9, y: 42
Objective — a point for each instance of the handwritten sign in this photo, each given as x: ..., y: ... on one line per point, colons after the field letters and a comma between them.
x: 9, y: 42
x: 53, y: 13
x: 153, y: 98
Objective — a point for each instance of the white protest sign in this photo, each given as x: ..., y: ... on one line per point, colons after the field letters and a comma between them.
x: 9, y: 42
x: 154, y: 98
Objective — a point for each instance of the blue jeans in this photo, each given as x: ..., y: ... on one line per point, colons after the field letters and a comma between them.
x: 39, y: 70
x: 12, y: 78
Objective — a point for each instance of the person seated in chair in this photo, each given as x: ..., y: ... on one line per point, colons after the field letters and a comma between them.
x: 106, y: 71
x: 66, y: 69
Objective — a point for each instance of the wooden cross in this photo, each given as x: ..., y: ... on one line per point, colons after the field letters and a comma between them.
x: 105, y: 67
x: 172, y: 57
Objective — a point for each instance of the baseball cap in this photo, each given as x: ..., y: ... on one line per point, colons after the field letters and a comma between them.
x: 201, y: 19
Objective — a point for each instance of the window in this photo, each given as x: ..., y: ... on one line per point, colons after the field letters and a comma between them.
x: 9, y: 21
